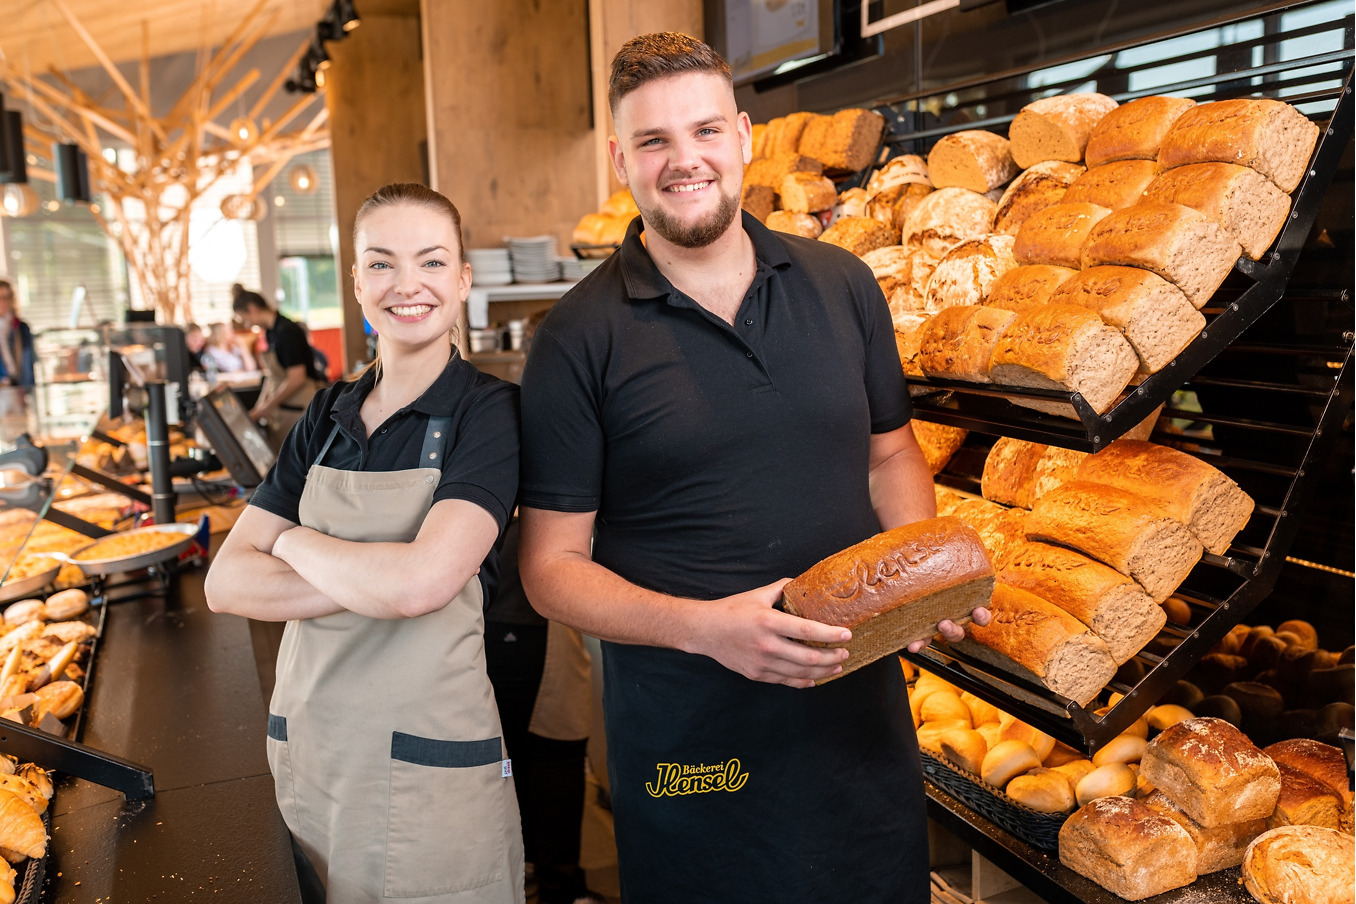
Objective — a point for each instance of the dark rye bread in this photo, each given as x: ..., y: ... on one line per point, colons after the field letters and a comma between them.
x: 1113, y: 606
x: 893, y: 588
x: 1038, y: 640
x: 1269, y: 136
x: 1212, y: 771
x: 1134, y: 131
x: 1127, y: 848
x: 1242, y: 200
x: 1219, y: 848
x: 1190, y: 490
x: 1321, y: 762
x: 1120, y: 529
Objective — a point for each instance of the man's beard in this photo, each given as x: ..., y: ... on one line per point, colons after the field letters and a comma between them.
x: 698, y: 234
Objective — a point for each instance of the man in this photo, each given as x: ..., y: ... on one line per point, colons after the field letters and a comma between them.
x: 16, y: 354
x: 726, y: 406
x: 290, y: 375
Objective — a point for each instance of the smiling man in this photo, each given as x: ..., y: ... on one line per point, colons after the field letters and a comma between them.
x: 718, y: 407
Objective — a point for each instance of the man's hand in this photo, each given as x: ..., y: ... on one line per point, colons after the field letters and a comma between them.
x: 746, y: 635
x: 953, y: 632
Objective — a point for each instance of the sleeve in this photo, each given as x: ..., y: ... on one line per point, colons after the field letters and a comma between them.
x: 563, y: 440
x: 291, y: 347
x: 887, y: 391
x: 482, y: 466
x: 280, y: 493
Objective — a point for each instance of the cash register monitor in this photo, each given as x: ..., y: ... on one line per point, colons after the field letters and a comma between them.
x: 238, y: 441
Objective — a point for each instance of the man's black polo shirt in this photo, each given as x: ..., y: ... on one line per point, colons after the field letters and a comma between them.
x: 719, y: 458
x: 287, y: 340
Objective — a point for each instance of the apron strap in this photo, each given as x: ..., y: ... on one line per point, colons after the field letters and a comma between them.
x: 329, y: 441
x: 435, y: 442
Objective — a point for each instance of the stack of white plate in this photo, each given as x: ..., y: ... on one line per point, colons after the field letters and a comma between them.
x: 571, y: 269
x: 534, y: 259
x: 490, y: 266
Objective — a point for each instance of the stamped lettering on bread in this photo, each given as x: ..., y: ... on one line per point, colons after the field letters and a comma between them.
x: 865, y: 575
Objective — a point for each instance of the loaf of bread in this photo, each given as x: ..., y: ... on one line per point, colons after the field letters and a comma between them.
x: 1056, y: 128
x: 938, y: 441
x: 807, y: 193
x: 902, y: 170
x: 1127, y: 848
x: 847, y: 142
x: 758, y: 200
x: 770, y: 171
x: 1039, y: 641
x: 1305, y: 802
x: 859, y: 235
x: 801, y: 224
x: 1064, y: 347
x: 965, y: 275
x: 904, y: 279
x: 1026, y: 288
x: 599, y: 229
x: 895, y: 204
x: 1153, y: 314
x: 908, y: 332
x: 1056, y: 234
x: 1212, y: 771
x: 1187, y: 488
x: 1267, y: 135
x: 947, y: 217
x: 1034, y: 189
x: 1321, y: 762
x: 1242, y: 200
x: 786, y: 139
x: 1056, y: 467
x: 1009, y: 475
x: 1001, y: 529
x: 973, y: 159
x: 957, y: 343
x: 1134, y: 131
x: 851, y: 203
x: 1113, y: 185
x: 1179, y: 244
x: 1218, y: 848
x: 893, y: 588
x: 1119, y: 529
x: 1301, y: 865
x: 1114, y: 607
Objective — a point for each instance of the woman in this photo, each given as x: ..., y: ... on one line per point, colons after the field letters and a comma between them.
x: 16, y: 354
x: 224, y: 353
x: 372, y: 537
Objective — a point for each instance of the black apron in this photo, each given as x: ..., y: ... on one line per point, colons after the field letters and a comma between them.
x: 730, y: 790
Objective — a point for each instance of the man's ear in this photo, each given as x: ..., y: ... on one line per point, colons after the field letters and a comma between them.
x: 618, y: 158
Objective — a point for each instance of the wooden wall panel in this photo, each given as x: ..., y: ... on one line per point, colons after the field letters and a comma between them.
x: 375, y: 98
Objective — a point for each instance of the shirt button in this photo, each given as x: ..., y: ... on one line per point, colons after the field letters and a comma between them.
x: 748, y: 323
x: 383, y: 429
x: 749, y: 354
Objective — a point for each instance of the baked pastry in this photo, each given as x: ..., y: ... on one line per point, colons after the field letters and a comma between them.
x: 1026, y: 288
x: 1108, y: 780
x: 1153, y: 314
x: 22, y: 833
x: 1300, y: 865
x: 965, y: 274
x: 60, y: 698
x: 1064, y: 347
x: 1127, y: 848
x: 1190, y: 490
x: 947, y: 217
x: 973, y: 159
x: 1321, y: 762
x: 1219, y: 848
x: 1056, y: 234
x: 1113, y: 185
x: 1043, y: 790
x: 807, y: 193
x: 801, y: 224
x: 66, y: 604
x: 1176, y: 242
x: 1034, y: 189
x: 1267, y: 135
x: 956, y: 344
x: 1114, y: 607
x: 893, y: 588
x: 1242, y: 200
x: 1056, y: 128
x: 938, y: 441
x: 859, y: 235
x: 1009, y: 475
x: 1135, y: 130
x: 1212, y: 771
x: 1040, y: 641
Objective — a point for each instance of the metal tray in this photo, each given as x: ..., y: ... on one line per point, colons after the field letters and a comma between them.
x: 26, y: 587
x: 100, y: 567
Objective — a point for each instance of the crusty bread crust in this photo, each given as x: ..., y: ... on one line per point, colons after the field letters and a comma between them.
x: 1321, y: 762
x: 1027, y: 287
x: 1134, y: 131
x: 859, y: 235
x: 966, y: 274
x: 1212, y: 771
x: 1113, y: 185
x: 974, y: 159
x: 1056, y: 234
x: 1301, y: 865
x: 947, y: 217
x: 1267, y: 135
x: 1009, y: 474
x: 1243, y: 201
x: 1034, y: 189
x: 1219, y: 848
x: 957, y: 343
x: 1153, y: 314
x: 1127, y: 848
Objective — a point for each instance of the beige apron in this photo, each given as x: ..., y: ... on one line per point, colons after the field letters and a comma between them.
x: 564, y: 707
x: 384, y: 739
x: 292, y: 407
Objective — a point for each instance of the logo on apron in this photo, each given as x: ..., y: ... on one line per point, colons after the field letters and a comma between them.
x: 675, y: 779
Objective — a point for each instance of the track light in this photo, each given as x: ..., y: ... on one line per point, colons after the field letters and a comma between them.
x: 348, y: 15
x: 15, y: 169
x: 72, y: 173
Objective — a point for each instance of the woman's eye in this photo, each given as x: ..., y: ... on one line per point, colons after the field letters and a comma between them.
x: 379, y: 265
x: 434, y: 264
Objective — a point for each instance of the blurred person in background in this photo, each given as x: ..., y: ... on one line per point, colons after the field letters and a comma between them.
x: 290, y: 375
x: 16, y: 353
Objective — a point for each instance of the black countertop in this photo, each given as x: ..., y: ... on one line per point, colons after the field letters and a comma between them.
x: 174, y: 688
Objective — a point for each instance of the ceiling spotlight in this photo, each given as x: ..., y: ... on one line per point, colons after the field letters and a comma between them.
x: 329, y: 28
x: 18, y: 200
x: 317, y: 57
x: 348, y: 15
x: 243, y: 130
x: 302, y: 179
x: 279, y: 200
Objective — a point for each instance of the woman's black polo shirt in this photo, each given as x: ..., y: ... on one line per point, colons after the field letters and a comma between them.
x: 718, y: 458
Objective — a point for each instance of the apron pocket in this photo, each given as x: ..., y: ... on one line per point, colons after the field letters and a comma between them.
x: 280, y: 764
x: 446, y: 822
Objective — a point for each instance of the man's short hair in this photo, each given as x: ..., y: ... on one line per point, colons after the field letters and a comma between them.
x: 247, y: 300
x: 654, y: 56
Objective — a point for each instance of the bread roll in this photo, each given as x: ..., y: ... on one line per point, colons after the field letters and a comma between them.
x: 851, y: 203
x: 1300, y: 865
x: 1212, y: 771
x: 965, y: 748
x: 989, y: 731
x: 944, y: 706
x: 25, y: 611
x: 1243, y: 201
x: 1154, y: 315
x: 1013, y: 729
x: 1107, y: 780
x: 1124, y: 748
x: 1306, y: 633
x: 965, y: 274
x: 981, y: 710
x: 1305, y: 802
x: 947, y: 217
x: 1060, y: 755
x: 1127, y: 848
x: 68, y: 604
x: 894, y: 588
x: 930, y: 734
x: 1033, y: 190
x: 1185, y: 487
x: 1074, y: 770
x: 1134, y: 131
x: 1266, y: 135
x: 1120, y: 529
x: 957, y: 343
x: 1064, y: 347
x: 1005, y: 761
x: 1218, y: 848
x: 1179, y: 244
x: 1057, y: 234
x: 938, y: 441
x: 859, y: 235
x: 1167, y: 715
x: 1045, y: 791
x: 1009, y: 475
x: 758, y: 200
x: 801, y: 224
x: 1321, y: 762
x: 1056, y: 128
x: 1041, y: 642
x: 807, y: 193
x: 1026, y: 288
x: 973, y: 159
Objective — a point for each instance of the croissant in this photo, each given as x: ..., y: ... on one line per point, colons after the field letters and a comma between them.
x: 21, y: 830
x: 7, y: 876
x: 23, y: 789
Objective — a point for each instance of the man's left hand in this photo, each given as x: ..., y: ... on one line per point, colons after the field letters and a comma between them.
x: 953, y: 632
